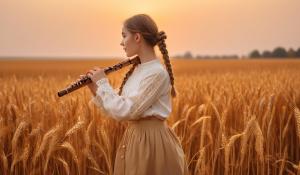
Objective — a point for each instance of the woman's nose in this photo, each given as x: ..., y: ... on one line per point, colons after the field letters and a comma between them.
x: 121, y: 43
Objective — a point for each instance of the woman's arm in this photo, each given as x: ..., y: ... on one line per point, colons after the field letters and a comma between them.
x: 93, y: 87
x: 124, y: 108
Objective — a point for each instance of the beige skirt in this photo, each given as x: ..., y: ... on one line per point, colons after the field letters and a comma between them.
x: 150, y: 147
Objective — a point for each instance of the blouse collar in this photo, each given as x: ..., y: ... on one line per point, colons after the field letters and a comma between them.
x: 156, y: 60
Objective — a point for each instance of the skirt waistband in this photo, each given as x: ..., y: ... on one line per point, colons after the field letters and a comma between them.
x: 146, y: 124
x: 151, y: 117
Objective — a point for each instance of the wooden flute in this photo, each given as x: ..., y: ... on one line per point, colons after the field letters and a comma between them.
x: 86, y: 80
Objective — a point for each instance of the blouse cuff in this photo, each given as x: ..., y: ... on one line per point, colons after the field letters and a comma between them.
x: 102, y: 81
x: 104, y: 87
x: 96, y: 101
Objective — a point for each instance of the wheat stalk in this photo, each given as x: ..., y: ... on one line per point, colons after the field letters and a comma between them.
x: 228, y: 147
x: 297, y: 119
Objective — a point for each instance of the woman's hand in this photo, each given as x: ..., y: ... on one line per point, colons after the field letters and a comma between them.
x: 92, y: 86
x: 96, y: 74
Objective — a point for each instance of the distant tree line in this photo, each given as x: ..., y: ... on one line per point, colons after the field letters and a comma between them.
x: 278, y: 52
x: 189, y: 55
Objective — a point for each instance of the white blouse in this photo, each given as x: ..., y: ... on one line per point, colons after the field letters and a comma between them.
x: 146, y: 92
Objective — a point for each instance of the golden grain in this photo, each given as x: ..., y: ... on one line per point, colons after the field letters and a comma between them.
x: 228, y: 116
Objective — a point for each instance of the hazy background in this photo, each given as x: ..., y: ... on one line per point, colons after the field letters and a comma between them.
x: 81, y: 28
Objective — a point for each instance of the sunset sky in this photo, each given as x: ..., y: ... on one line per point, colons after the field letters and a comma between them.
x: 92, y: 28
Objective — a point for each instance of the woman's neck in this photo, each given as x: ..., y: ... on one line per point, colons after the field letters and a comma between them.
x: 147, y: 54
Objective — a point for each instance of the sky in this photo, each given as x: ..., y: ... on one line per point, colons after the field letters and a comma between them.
x: 92, y: 28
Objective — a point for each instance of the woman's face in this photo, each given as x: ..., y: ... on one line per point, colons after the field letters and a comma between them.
x: 129, y: 42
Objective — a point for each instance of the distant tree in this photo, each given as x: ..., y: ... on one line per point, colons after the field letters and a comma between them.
x: 297, y: 54
x: 199, y: 57
x: 279, y: 52
x: 291, y: 53
x: 254, y: 54
x: 207, y: 56
x: 228, y: 56
x: 234, y: 56
x: 216, y: 56
x: 266, y: 54
x: 187, y: 54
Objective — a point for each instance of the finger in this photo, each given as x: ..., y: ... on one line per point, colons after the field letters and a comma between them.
x: 89, y: 75
x: 90, y: 72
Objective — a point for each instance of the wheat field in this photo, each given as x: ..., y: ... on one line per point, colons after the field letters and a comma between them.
x: 233, y: 117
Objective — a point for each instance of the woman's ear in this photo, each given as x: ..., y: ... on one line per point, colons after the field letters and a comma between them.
x: 137, y: 37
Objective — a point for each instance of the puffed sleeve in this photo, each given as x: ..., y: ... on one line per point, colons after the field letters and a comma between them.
x: 131, y: 107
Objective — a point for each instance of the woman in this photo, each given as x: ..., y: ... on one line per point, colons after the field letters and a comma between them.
x: 149, y: 146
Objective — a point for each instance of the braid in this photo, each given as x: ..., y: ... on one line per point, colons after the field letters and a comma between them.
x: 128, y: 74
x: 161, y: 36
